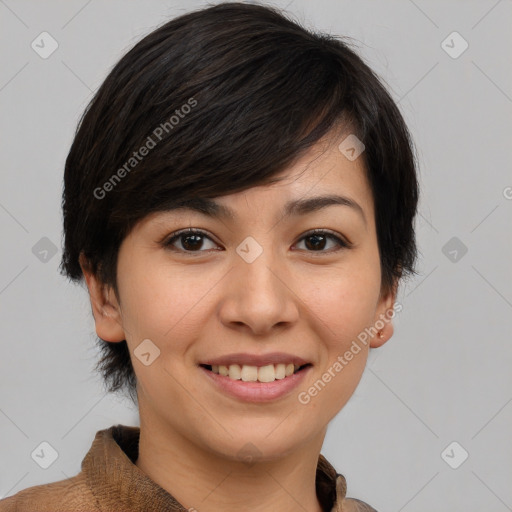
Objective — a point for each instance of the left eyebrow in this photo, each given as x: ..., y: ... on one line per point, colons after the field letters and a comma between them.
x: 313, y: 204
x: 295, y: 207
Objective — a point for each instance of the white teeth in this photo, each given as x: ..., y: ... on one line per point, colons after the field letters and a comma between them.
x: 234, y: 371
x: 267, y: 373
x: 247, y: 373
x: 280, y: 371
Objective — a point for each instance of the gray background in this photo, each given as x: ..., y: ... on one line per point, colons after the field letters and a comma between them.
x: 444, y: 376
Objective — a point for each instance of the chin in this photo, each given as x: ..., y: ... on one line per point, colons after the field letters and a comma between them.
x: 271, y: 441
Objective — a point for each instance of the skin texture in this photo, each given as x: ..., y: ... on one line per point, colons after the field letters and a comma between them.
x: 293, y: 298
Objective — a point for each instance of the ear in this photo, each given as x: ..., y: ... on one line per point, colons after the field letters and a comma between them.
x: 383, y: 315
x: 104, y: 305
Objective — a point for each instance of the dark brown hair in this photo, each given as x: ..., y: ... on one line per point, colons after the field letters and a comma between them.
x: 224, y: 98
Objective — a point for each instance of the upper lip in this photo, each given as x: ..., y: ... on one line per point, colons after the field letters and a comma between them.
x: 256, y: 360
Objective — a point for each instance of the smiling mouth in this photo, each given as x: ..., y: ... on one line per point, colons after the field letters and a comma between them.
x: 248, y: 373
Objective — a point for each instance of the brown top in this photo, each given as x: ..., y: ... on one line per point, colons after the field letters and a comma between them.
x: 111, y: 482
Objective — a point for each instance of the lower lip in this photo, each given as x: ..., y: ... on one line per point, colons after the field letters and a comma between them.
x: 257, y: 391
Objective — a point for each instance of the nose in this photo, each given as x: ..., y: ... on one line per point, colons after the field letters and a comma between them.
x: 260, y: 297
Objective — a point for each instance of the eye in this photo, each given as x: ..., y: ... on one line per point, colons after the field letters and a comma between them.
x: 315, y: 240
x: 193, y: 240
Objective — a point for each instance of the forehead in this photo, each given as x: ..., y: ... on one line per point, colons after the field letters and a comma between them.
x: 323, y: 169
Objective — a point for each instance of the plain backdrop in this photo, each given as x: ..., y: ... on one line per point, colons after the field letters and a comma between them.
x: 443, y: 378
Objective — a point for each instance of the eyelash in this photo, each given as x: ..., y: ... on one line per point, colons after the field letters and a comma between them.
x: 343, y: 244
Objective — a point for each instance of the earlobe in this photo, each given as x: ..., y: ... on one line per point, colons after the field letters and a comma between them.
x: 383, y: 322
x: 382, y: 336
x: 104, y: 305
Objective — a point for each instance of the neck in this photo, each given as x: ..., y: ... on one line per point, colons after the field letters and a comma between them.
x: 206, y: 482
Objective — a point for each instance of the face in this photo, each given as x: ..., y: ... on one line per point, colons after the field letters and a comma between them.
x: 256, y: 289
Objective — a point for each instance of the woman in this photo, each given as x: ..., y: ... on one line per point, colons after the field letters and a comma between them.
x: 240, y: 198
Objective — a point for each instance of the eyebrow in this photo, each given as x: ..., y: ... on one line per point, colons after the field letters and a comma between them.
x: 295, y: 207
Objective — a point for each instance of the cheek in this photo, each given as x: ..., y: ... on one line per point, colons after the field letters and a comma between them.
x: 163, y: 304
x: 342, y: 303
x: 343, y: 299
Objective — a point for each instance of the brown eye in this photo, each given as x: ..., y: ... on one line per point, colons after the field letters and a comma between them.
x: 316, y: 241
x: 190, y: 240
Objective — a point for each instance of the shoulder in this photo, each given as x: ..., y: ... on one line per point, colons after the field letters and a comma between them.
x: 353, y: 505
x: 69, y: 494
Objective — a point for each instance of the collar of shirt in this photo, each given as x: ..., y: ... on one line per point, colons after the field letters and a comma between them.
x: 117, y: 483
